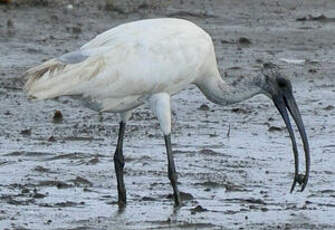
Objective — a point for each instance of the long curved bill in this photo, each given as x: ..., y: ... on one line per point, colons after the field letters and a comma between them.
x: 283, y: 102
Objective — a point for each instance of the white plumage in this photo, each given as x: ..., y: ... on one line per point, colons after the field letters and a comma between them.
x: 124, y: 66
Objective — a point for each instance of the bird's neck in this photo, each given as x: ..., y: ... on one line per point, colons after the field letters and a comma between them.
x: 219, y: 92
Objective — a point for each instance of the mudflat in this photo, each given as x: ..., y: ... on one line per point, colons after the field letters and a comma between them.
x: 57, y: 171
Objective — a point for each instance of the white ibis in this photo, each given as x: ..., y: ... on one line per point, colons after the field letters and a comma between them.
x: 149, y: 61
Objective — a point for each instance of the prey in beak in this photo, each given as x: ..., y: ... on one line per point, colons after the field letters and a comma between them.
x: 280, y: 90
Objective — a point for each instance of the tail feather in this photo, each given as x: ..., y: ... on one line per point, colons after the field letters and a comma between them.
x: 33, y: 74
x: 54, y: 78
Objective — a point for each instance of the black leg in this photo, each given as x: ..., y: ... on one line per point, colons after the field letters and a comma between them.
x: 119, y: 165
x: 172, y: 170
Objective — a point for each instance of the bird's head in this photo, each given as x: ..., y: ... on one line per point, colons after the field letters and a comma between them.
x: 274, y: 83
x: 279, y: 89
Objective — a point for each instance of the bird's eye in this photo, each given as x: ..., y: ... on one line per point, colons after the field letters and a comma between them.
x: 281, y: 82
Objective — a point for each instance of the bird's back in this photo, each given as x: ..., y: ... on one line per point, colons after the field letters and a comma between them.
x: 127, y: 63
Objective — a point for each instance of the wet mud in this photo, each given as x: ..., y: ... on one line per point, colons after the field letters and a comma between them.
x: 235, y: 163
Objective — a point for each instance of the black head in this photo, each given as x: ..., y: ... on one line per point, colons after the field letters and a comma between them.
x: 274, y: 83
x: 279, y: 89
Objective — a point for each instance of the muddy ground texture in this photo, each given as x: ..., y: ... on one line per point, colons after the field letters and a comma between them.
x: 59, y: 173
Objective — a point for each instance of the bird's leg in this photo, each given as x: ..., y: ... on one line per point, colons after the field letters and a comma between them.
x: 161, y: 106
x: 119, y: 165
x: 172, y: 170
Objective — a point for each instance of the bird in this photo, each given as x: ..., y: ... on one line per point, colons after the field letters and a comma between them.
x: 147, y: 62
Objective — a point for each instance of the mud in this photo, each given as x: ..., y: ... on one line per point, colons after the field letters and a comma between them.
x: 235, y: 163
